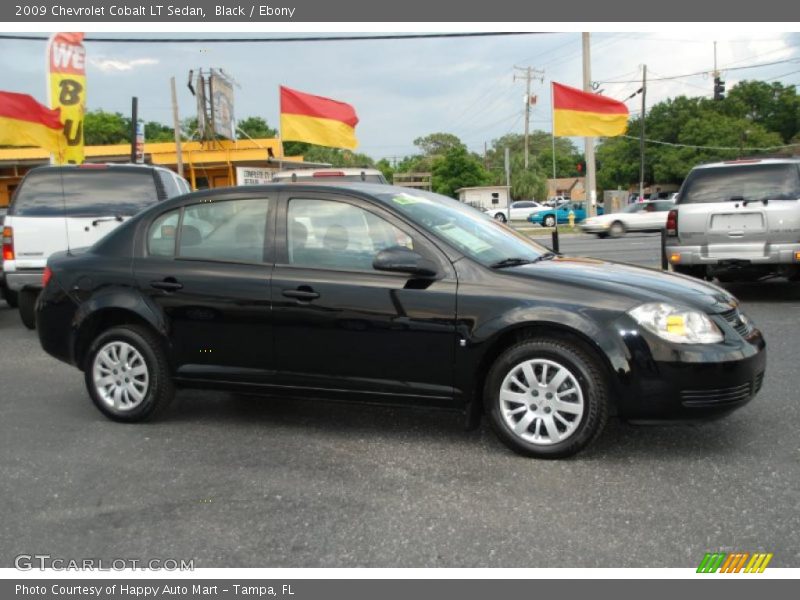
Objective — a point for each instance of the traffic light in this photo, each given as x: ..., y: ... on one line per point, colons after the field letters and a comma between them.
x: 719, y: 88
x: 581, y: 167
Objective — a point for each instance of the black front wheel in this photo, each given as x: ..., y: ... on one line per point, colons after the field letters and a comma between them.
x: 549, y: 221
x: 127, y: 374
x: 500, y: 217
x: 546, y: 398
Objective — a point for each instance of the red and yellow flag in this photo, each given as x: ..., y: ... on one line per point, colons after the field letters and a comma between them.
x: 66, y: 59
x: 317, y: 120
x: 25, y: 122
x: 578, y: 113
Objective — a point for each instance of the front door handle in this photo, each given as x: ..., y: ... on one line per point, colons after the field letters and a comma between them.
x: 169, y: 284
x: 304, y: 293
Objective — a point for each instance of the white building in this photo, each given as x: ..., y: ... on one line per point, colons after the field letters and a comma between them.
x: 485, y: 197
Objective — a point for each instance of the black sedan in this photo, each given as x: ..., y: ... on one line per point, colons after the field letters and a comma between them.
x: 385, y: 294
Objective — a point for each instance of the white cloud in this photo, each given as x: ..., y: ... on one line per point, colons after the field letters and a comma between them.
x: 109, y: 65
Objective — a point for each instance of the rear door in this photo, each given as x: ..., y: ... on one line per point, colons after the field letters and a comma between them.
x: 57, y: 209
x: 207, y: 266
x: 737, y: 210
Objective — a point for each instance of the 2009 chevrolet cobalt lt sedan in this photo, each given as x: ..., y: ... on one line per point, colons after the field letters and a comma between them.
x: 385, y: 294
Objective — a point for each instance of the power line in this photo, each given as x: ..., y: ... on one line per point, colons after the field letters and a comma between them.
x: 739, y: 148
x: 279, y: 40
x: 706, y: 72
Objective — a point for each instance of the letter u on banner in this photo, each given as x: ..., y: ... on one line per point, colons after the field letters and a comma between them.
x: 66, y: 59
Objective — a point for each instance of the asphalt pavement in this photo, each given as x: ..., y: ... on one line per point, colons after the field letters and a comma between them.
x: 251, y: 482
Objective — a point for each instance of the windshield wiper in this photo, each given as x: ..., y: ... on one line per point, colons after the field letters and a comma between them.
x: 515, y: 262
x: 104, y: 219
x: 545, y: 256
x: 511, y: 262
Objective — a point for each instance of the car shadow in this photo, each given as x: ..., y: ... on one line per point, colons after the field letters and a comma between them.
x: 620, y: 441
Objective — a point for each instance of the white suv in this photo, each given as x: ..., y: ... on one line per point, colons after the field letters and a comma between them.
x: 737, y: 220
x: 62, y: 208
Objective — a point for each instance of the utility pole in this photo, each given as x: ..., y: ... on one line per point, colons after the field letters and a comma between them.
x: 134, y: 122
x: 176, y: 124
x: 641, y: 133
x: 591, y: 184
x: 529, y: 73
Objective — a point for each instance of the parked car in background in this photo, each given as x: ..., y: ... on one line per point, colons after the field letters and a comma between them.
x: 737, y: 220
x: 641, y: 216
x: 67, y: 207
x: 384, y: 294
x: 549, y: 216
x: 329, y: 175
x: 518, y: 211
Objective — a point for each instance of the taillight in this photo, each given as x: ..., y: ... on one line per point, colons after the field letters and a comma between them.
x: 672, y: 222
x: 8, y: 243
x: 46, y: 276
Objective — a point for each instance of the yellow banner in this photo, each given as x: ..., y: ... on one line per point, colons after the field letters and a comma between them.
x: 67, y: 65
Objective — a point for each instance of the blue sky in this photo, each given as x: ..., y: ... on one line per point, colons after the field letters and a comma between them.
x: 403, y: 89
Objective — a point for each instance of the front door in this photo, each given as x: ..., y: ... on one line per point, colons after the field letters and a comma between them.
x: 208, y: 268
x: 341, y: 326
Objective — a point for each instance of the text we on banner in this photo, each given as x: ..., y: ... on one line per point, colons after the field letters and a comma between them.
x: 66, y: 58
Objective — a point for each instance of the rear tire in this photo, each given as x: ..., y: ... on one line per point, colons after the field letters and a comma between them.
x: 549, y: 221
x: 500, y: 217
x: 546, y: 398
x: 617, y: 229
x: 127, y: 374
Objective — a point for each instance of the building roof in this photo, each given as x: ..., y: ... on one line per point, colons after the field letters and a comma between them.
x: 484, y: 187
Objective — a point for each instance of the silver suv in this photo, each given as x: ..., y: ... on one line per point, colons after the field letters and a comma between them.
x: 737, y: 220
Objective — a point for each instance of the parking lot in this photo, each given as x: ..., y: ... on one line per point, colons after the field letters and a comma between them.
x: 246, y: 482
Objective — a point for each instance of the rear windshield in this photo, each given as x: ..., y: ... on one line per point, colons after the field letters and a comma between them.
x: 84, y: 193
x: 331, y: 178
x: 751, y: 182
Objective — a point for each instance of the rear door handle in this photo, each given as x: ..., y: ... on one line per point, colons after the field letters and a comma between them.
x: 170, y: 284
x: 305, y: 294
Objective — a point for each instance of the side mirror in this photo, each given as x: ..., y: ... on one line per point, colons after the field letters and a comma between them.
x: 398, y: 259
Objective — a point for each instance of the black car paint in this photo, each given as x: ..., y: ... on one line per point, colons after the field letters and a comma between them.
x: 386, y: 337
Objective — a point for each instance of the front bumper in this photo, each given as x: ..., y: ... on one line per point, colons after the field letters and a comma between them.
x: 713, y: 254
x: 16, y: 280
x: 666, y: 381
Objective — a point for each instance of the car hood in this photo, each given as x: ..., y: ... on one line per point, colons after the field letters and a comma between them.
x: 637, y: 283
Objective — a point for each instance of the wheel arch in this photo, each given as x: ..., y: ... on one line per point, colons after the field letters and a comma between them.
x: 522, y: 331
x: 108, y: 310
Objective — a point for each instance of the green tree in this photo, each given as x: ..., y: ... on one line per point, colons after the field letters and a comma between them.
x: 158, y: 132
x: 102, y: 128
x: 386, y: 168
x: 256, y: 127
x: 456, y: 169
x: 437, y: 144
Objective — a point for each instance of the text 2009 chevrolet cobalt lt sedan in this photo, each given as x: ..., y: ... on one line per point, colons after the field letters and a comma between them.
x: 376, y: 293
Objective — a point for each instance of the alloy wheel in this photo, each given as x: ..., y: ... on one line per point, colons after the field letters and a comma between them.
x: 541, y: 402
x: 120, y: 376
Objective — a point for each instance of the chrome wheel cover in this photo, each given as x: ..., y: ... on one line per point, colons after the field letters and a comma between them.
x: 120, y: 376
x: 541, y: 402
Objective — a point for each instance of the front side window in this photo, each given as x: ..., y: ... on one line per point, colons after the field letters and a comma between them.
x: 336, y: 235
x: 229, y: 230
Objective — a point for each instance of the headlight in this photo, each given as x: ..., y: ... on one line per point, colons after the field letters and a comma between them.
x: 678, y: 325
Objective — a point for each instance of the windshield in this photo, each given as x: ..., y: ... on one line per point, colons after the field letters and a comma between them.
x: 744, y: 182
x: 469, y: 230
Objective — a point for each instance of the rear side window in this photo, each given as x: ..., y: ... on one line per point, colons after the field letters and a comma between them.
x: 229, y: 231
x: 84, y: 193
x: 746, y: 182
x: 170, y: 184
x: 163, y: 233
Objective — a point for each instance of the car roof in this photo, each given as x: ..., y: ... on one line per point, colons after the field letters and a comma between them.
x: 743, y: 162
x: 345, y: 170
x: 97, y: 167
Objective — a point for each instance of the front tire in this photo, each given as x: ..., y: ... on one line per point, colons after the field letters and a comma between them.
x: 127, y: 374
x: 546, y: 398
x: 549, y: 221
x: 500, y: 217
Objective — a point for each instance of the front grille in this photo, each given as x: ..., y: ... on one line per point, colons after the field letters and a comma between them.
x: 718, y: 396
x: 734, y: 317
